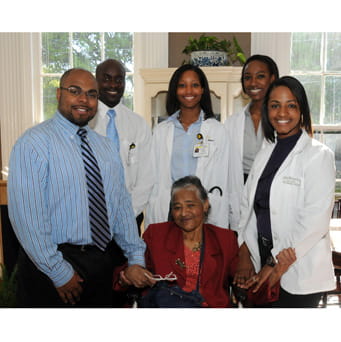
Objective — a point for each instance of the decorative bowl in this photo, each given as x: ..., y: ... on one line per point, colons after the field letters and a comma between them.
x: 209, y: 58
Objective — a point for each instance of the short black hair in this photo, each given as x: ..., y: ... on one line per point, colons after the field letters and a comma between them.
x: 68, y: 72
x: 172, y: 103
x: 297, y: 89
x: 268, y: 61
x: 111, y: 61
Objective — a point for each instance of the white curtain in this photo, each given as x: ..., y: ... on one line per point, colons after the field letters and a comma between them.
x: 277, y: 45
x: 150, y: 51
x: 18, y: 96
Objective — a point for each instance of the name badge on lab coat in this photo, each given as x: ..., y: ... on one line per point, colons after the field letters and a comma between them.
x: 200, y: 150
x: 292, y: 181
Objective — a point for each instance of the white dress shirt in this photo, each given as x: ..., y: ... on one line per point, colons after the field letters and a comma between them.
x: 135, y: 146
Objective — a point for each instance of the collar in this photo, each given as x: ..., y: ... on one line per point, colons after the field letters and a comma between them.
x: 247, y: 110
x: 290, y: 139
x: 66, y: 125
x: 174, y: 117
x: 103, y: 108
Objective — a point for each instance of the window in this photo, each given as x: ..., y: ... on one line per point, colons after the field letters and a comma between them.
x: 315, y: 61
x: 61, y: 51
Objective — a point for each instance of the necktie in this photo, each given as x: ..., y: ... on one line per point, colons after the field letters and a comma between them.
x: 99, y: 223
x: 111, y: 128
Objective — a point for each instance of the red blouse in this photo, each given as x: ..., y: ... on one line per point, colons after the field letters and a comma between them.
x: 192, y: 260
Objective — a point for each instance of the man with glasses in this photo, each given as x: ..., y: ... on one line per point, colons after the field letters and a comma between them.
x: 68, y: 203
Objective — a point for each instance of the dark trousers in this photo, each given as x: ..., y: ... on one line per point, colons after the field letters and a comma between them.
x: 35, y: 289
x: 122, y: 299
x: 288, y: 300
x: 139, y: 220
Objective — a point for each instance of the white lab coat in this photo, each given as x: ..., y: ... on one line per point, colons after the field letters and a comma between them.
x: 235, y: 132
x: 132, y: 129
x: 211, y: 170
x: 301, y: 202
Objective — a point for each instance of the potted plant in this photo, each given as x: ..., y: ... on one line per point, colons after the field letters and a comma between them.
x: 210, y: 51
x: 7, y: 287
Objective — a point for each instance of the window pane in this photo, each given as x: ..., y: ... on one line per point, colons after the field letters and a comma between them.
x: 86, y: 50
x: 119, y: 45
x: 333, y: 100
x: 334, y: 51
x: 129, y: 92
x: 333, y: 141
x: 306, y: 51
x: 55, y: 52
x: 312, y: 86
x: 49, y: 96
x: 61, y: 51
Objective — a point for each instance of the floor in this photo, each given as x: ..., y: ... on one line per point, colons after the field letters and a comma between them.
x: 333, y: 302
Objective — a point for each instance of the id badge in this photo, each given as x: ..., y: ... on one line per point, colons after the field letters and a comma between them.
x: 200, y: 150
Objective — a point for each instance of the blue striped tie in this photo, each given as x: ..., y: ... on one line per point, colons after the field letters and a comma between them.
x: 99, y: 222
x: 111, y: 128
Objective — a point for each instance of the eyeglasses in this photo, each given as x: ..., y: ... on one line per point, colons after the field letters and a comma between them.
x: 170, y: 277
x: 75, y: 91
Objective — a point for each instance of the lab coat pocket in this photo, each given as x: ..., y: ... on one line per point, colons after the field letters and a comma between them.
x: 211, y: 157
x: 131, y: 169
x: 218, y: 213
x: 290, y: 186
x: 132, y: 154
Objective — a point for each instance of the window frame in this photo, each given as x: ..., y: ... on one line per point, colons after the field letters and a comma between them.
x: 43, y: 75
x: 278, y: 46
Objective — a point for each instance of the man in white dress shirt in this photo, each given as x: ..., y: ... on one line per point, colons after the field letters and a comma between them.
x: 133, y: 132
x: 132, y: 136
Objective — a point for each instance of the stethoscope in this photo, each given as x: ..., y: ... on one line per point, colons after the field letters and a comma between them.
x: 216, y: 188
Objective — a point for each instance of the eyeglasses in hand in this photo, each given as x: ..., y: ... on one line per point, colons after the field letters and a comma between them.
x: 170, y: 277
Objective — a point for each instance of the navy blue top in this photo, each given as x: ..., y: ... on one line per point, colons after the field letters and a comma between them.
x: 262, y: 197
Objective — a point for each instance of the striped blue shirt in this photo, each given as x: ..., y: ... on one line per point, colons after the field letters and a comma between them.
x: 182, y: 161
x: 47, y: 196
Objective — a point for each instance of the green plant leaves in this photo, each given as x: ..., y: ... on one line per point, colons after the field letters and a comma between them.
x: 8, y: 288
x: 207, y: 43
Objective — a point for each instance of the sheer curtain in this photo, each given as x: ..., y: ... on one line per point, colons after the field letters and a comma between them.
x: 150, y: 51
x: 274, y: 44
x: 19, y: 80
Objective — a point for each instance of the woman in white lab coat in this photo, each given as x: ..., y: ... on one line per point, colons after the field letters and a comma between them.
x: 244, y: 128
x: 190, y: 142
x: 287, y: 204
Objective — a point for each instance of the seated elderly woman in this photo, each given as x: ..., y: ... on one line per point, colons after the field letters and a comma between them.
x: 176, y: 247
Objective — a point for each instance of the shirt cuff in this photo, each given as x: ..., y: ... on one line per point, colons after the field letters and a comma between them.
x: 63, y: 275
x: 136, y: 259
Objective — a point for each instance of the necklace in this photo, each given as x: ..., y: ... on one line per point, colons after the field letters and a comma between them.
x: 196, y: 247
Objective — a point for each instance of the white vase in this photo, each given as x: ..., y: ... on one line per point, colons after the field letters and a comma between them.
x: 209, y: 58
